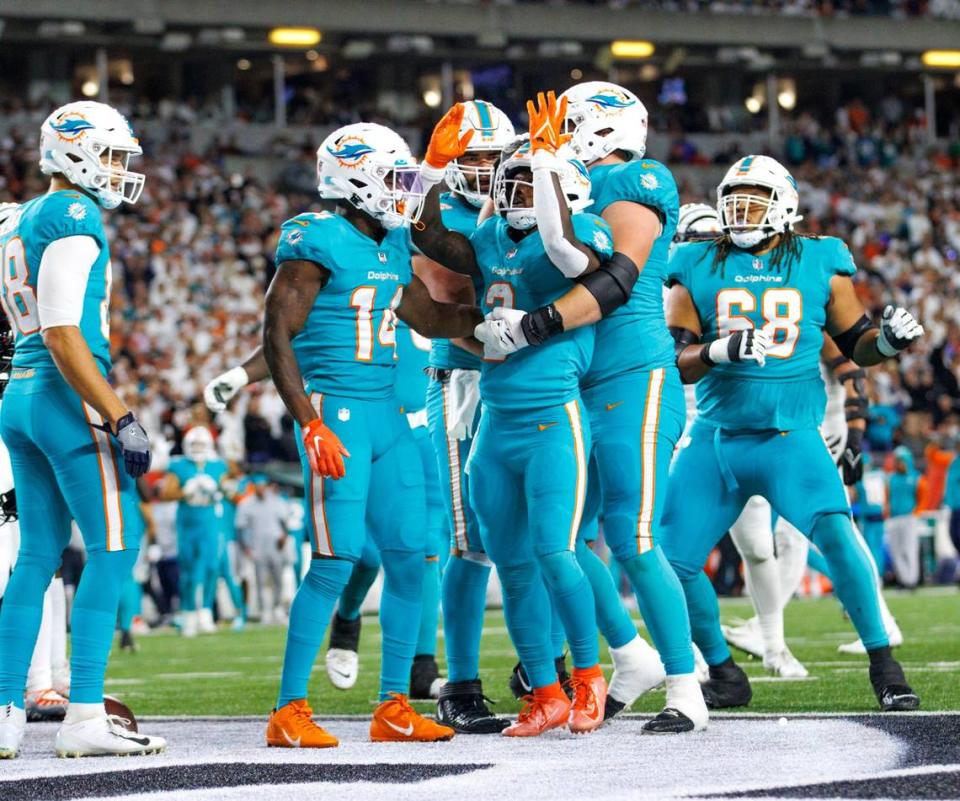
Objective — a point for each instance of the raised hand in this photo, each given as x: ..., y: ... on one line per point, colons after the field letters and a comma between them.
x: 446, y: 143
x: 546, y: 122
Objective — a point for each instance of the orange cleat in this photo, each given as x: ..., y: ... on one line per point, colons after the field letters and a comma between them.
x: 589, y: 699
x: 292, y: 726
x: 395, y: 721
x: 548, y: 708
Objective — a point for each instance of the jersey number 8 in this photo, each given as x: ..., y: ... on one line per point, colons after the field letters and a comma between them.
x: 19, y: 300
x: 782, y: 311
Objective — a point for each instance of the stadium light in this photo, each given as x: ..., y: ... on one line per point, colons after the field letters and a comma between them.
x: 624, y: 48
x: 90, y: 88
x: 753, y: 105
x: 432, y: 97
x: 295, y: 37
x: 941, y: 58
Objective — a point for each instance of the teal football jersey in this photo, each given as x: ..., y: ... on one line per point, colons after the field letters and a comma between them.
x: 185, y: 469
x: 23, y: 239
x: 459, y: 216
x: 790, y: 304
x: 348, y: 345
x: 519, y: 275
x: 413, y: 351
x: 635, y: 336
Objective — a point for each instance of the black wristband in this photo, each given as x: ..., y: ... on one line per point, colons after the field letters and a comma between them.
x: 705, y: 356
x: 541, y: 324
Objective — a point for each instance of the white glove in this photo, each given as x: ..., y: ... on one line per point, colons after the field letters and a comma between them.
x: 501, y: 333
x: 218, y: 393
x: 749, y: 345
x: 898, y: 330
x: 464, y: 398
x: 201, y: 490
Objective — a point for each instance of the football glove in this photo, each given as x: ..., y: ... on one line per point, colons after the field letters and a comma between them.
x: 221, y: 390
x: 546, y: 123
x: 464, y: 398
x: 134, y: 444
x: 749, y: 345
x: 200, y: 490
x: 501, y: 332
x: 325, y: 452
x: 446, y: 144
x: 898, y: 330
x: 851, y: 460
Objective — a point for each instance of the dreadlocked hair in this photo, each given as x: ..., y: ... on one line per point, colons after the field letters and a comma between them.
x: 784, y: 255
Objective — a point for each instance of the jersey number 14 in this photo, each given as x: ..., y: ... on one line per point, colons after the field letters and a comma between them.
x: 781, y: 309
x: 364, y: 300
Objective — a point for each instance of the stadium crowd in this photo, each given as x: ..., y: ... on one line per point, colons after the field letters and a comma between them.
x: 192, y: 259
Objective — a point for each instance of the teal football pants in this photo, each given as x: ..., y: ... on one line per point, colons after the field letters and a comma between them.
x: 382, y: 494
x: 636, y: 419
x: 64, y: 469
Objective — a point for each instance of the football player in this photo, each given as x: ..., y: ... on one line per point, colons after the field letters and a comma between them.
x: 748, y: 312
x: 64, y: 425
x: 342, y: 280
x: 527, y: 468
x: 194, y: 480
x: 632, y: 393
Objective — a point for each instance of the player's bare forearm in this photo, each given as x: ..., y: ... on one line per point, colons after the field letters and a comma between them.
x: 434, y: 320
x: 289, y: 299
x: 79, y: 369
x: 681, y: 315
x: 256, y: 366
x: 691, y: 365
x: 169, y: 489
x: 577, y: 308
x: 448, y: 248
x: 844, y: 311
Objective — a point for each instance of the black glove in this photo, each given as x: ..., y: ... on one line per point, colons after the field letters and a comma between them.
x: 851, y: 460
x: 135, y: 445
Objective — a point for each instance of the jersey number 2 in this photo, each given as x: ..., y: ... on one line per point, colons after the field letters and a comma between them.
x: 19, y: 299
x: 782, y: 311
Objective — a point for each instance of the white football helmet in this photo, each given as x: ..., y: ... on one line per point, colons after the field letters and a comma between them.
x: 737, y: 208
x: 697, y: 222
x: 574, y: 181
x: 371, y: 167
x: 198, y: 444
x: 492, y: 132
x: 91, y: 145
x: 603, y: 117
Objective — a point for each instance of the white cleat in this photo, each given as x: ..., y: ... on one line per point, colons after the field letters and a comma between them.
x: 13, y: 724
x: 785, y: 665
x: 636, y: 669
x: 205, y: 622
x: 343, y: 667
x: 105, y: 736
x: 856, y: 647
x: 746, y: 636
x: 188, y: 624
x: 684, y: 710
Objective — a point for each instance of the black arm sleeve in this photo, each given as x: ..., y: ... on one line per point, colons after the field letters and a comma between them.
x: 682, y: 338
x: 612, y: 283
x: 847, y: 341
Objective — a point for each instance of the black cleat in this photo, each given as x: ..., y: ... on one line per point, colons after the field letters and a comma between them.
x: 425, y: 681
x: 728, y: 686
x: 126, y: 642
x: 889, y: 684
x: 613, y: 707
x: 670, y: 721
x: 345, y: 634
x: 463, y: 707
x: 520, y: 685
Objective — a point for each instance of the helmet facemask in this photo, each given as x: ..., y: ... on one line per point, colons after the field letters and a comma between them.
x: 471, y: 176
x: 513, y: 196
x: 751, y: 218
x: 116, y: 183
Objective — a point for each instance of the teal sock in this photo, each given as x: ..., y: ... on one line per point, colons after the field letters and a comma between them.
x: 705, y: 619
x: 526, y: 610
x: 93, y: 621
x: 661, y: 600
x: 309, y: 617
x: 855, y: 584
x: 129, y: 603
x: 399, y: 618
x: 429, y: 609
x: 464, y: 589
x: 20, y: 617
x: 574, y: 601
x: 558, y: 637
x: 351, y: 599
x: 612, y: 618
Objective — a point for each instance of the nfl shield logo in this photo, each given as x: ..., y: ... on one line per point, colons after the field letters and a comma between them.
x: 343, y: 415
x: 757, y: 264
x: 382, y: 256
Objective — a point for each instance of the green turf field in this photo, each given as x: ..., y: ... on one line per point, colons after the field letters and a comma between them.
x: 237, y: 673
